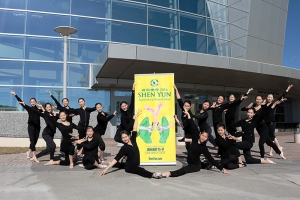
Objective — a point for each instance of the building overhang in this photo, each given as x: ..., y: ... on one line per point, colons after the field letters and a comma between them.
x: 117, y: 64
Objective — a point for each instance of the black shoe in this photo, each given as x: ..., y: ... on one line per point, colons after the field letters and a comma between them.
x: 181, y: 140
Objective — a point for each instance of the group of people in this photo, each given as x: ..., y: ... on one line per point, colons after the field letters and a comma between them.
x: 260, y: 115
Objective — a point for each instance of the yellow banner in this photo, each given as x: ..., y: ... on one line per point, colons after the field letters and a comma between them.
x: 154, y: 94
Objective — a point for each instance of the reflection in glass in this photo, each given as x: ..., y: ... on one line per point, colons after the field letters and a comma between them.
x: 43, y: 24
x: 11, y: 47
x: 40, y: 73
x: 211, y: 46
x: 83, y: 51
x: 16, y: 4
x: 161, y: 37
x: 78, y: 75
x: 217, y: 11
x: 122, y: 93
x: 128, y: 11
x: 11, y: 72
x: 56, y: 6
x: 217, y: 29
x: 12, y: 21
x: 193, y: 6
x: 162, y: 17
x: 8, y: 102
x: 91, y: 97
x: 192, y: 23
x: 165, y: 3
x: 44, y: 49
x: 94, y: 29
x: 99, y: 8
x: 193, y: 42
x: 129, y: 33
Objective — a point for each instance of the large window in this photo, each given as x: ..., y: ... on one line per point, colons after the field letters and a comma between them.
x: 57, y: 6
x: 44, y: 24
x: 161, y: 37
x: 162, y: 17
x: 39, y: 94
x: 78, y: 75
x: 192, y: 23
x: 129, y: 33
x: 99, y: 8
x: 165, y: 3
x: 44, y: 49
x: 193, y: 6
x: 16, y: 4
x: 11, y: 47
x: 12, y: 21
x: 8, y: 102
x: 193, y: 42
x: 43, y: 74
x: 129, y: 11
x: 94, y: 29
x: 11, y: 73
x: 84, y: 51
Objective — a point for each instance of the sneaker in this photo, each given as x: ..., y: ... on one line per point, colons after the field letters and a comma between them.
x: 157, y: 175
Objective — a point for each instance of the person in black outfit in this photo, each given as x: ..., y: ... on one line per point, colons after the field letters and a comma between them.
x: 271, y: 121
x: 65, y: 102
x: 90, y: 147
x: 84, y: 114
x: 230, y: 112
x: 102, y: 120
x: 201, y: 117
x: 49, y: 130
x: 248, y: 137
x: 261, y: 110
x: 186, y: 105
x: 34, y: 125
x: 230, y: 155
x: 131, y: 150
x: 197, y: 147
x: 66, y: 146
x: 126, y: 117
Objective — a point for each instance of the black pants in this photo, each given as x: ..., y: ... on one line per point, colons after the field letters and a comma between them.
x: 231, y: 162
x: 101, y: 142
x: 211, y: 138
x: 264, y: 138
x: 82, y: 134
x: 229, y: 129
x: 134, y: 170
x: 88, y: 162
x: 184, y: 170
x: 34, y: 133
x: 65, y: 162
x: 271, y: 133
x: 117, y: 137
x: 246, y: 147
x: 50, y: 145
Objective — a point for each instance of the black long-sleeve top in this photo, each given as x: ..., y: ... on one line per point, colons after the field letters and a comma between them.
x: 91, y: 148
x: 217, y: 112
x: 68, y: 113
x: 196, y: 149
x: 201, y: 119
x: 127, y: 116
x: 131, y: 151
x: 230, y: 113
x: 83, y: 113
x: 225, y: 146
x: 33, y: 118
x: 65, y: 130
x: 102, y: 120
x: 184, y: 119
x: 46, y: 115
x: 270, y: 115
x: 260, y: 113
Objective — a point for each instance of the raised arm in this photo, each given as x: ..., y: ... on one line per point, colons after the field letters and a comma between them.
x: 285, y: 92
x: 87, y: 109
x: 32, y: 109
x: 17, y: 97
x: 131, y: 106
x: 54, y: 99
x: 73, y: 110
x: 103, y: 118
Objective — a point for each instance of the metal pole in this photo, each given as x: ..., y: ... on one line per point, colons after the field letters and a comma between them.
x: 65, y: 67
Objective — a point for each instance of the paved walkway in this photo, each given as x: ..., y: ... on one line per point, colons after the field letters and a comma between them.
x: 20, y: 179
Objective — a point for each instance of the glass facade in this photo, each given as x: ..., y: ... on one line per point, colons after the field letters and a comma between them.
x: 31, y: 52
